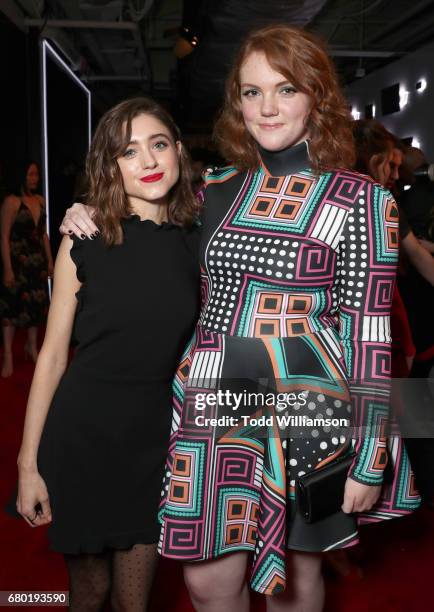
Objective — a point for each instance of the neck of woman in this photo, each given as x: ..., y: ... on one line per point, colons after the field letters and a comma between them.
x: 156, y: 212
x: 287, y: 161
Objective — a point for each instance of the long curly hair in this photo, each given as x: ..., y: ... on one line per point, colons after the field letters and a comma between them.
x: 104, y: 185
x: 301, y: 58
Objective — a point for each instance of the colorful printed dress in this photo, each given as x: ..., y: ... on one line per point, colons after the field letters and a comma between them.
x: 298, y: 273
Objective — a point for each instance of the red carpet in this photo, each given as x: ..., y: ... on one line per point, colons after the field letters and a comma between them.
x: 396, y: 562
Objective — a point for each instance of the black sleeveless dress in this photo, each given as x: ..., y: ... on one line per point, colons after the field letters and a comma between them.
x: 107, y: 432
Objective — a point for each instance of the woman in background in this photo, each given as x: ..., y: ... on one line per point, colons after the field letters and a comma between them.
x: 27, y: 263
x: 376, y: 154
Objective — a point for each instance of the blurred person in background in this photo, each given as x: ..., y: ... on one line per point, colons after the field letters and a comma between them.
x: 418, y: 200
x: 379, y: 155
x: 409, y: 167
x: 418, y: 293
x: 418, y: 296
x: 27, y: 264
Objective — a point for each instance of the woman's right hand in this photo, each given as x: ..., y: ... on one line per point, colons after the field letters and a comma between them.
x: 359, y: 497
x: 78, y: 221
x: 31, y: 492
x: 8, y: 278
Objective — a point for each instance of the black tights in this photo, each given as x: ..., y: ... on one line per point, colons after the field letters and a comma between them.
x: 124, y: 576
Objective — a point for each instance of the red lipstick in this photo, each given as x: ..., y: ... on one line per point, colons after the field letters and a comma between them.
x: 152, y: 178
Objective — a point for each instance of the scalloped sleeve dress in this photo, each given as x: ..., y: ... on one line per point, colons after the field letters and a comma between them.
x: 106, y: 436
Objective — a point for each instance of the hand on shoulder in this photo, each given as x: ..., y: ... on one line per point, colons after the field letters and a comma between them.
x: 78, y: 221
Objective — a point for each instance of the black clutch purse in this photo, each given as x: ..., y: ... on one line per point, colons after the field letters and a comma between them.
x: 320, y: 493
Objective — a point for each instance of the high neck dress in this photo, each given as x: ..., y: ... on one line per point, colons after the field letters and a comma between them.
x: 298, y: 271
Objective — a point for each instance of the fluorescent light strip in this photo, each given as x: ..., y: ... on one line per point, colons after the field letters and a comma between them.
x: 47, y: 49
x: 46, y: 45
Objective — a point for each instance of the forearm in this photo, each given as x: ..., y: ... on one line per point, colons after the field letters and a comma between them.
x: 370, y: 441
x: 427, y: 245
x: 370, y: 405
x: 424, y: 263
x: 48, y: 372
x: 419, y: 257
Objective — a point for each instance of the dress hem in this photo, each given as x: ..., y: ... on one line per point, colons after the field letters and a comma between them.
x: 115, y: 542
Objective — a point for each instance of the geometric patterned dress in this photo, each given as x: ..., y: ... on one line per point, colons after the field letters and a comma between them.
x: 289, y: 366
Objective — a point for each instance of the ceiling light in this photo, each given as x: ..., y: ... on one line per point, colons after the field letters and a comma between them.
x: 421, y: 85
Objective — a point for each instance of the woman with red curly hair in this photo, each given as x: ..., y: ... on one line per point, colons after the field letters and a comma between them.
x: 298, y: 262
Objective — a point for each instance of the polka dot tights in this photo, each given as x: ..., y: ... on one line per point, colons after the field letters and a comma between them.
x: 124, y: 577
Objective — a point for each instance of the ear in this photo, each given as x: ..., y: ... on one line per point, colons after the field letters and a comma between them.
x: 179, y: 146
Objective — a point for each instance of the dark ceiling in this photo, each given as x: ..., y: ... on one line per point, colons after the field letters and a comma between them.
x: 362, y: 36
x: 125, y: 47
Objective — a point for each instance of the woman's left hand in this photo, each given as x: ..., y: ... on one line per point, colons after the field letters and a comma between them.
x: 359, y: 497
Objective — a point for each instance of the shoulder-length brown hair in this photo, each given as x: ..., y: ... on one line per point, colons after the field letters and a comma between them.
x: 302, y: 59
x: 105, y: 190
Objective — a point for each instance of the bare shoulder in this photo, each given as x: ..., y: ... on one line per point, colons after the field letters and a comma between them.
x: 11, y: 202
x: 9, y: 210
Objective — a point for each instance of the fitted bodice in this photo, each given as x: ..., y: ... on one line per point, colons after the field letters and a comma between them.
x: 138, y: 301
x: 280, y: 259
x: 24, y: 227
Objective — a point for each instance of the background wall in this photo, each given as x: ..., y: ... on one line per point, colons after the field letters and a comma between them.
x: 20, y: 99
x: 416, y: 118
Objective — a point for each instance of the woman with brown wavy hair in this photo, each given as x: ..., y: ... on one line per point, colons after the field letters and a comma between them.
x: 298, y: 271
x: 96, y: 433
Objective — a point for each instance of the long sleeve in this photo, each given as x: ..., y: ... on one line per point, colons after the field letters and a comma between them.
x: 368, y: 257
